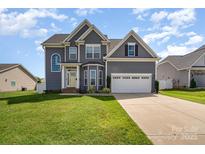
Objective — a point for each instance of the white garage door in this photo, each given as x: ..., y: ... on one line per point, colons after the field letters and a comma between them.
x: 131, y: 83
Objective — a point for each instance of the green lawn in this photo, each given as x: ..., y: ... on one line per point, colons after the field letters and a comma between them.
x: 29, y: 118
x: 195, y: 95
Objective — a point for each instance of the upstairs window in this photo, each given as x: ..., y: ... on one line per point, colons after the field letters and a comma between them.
x: 93, y: 51
x: 131, y: 49
x: 72, y: 53
x: 55, y: 62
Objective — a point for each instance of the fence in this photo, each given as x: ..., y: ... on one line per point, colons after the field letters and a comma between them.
x: 165, y: 84
x: 40, y: 87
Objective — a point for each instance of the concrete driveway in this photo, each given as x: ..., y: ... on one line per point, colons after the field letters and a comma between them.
x: 166, y: 120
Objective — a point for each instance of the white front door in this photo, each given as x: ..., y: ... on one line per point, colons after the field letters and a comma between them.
x: 131, y: 83
x: 71, y: 79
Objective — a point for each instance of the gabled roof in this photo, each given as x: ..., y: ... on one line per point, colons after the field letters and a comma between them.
x: 92, y: 28
x: 186, y: 61
x: 113, y: 43
x: 4, y: 67
x: 7, y: 67
x: 138, y: 38
x: 56, y: 38
x: 77, y: 29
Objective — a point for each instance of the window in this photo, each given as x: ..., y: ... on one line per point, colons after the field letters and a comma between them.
x: 85, y: 77
x: 125, y: 77
x: 144, y: 77
x: 93, y: 51
x: 131, y: 49
x: 72, y: 53
x: 55, y: 62
x: 135, y: 77
x: 116, y: 77
x: 100, y: 77
x: 92, y: 77
x: 13, y: 83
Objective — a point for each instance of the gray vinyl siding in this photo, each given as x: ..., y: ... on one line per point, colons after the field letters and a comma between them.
x: 120, y: 52
x: 92, y: 38
x: 84, y: 88
x: 53, y: 79
x: 67, y: 55
x: 167, y: 71
x: 72, y: 43
x: 76, y: 36
x: 132, y: 67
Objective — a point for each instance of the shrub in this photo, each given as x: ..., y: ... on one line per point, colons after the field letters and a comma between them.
x: 105, y: 90
x: 156, y: 84
x: 193, y: 83
x: 108, y: 81
x: 91, y: 89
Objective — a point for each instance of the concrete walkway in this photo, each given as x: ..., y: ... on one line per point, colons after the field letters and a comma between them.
x: 166, y: 120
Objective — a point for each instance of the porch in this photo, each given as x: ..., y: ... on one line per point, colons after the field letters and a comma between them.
x: 70, y: 81
x: 198, y: 74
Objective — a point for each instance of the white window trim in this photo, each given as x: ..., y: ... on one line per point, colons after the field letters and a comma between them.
x: 52, y: 62
x: 72, y: 53
x: 86, y: 78
x: 91, y: 78
x: 130, y: 44
x: 100, y: 78
x: 92, y: 45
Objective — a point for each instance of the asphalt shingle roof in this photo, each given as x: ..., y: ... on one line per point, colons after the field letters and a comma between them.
x: 6, y: 66
x: 56, y: 38
x: 187, y: 60
x: 113, y: 43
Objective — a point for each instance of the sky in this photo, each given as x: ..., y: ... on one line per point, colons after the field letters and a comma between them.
x: 166, y: 31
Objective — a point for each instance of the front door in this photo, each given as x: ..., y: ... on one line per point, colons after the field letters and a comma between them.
x: 71, y: 78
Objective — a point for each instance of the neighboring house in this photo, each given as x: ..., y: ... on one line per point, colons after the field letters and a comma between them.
x: 181, y: 69
x: 86, y: 58
x: 15, y: 77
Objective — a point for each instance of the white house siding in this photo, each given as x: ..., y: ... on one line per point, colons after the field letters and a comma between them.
x: 201, y: 61
x: 166, y: 71
x: 17, y: 75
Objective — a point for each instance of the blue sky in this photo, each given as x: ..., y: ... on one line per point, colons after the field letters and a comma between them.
x: 167, y: 31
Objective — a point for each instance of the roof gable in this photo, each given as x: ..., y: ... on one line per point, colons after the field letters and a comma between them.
x: 77, y: 29
x: 138, y: 39
x: 95, y: 29
x: 7, y: 67
x: 186, y: 61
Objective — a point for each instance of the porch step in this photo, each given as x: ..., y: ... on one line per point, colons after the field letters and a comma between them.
x: 70, y: 90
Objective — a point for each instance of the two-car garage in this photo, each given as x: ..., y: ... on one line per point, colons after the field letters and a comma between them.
x: 131, y: 83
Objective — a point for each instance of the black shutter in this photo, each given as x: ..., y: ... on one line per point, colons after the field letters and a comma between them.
x: 136, y: 50
x: 126, y: 50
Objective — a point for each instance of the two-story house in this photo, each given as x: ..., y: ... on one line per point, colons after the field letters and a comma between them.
x: 86, y: 57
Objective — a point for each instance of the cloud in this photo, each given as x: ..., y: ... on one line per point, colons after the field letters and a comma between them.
x: 182, y: 17
x: 194, y: 40
x: 158, y: 16
x: 176, y: 50
x: 85, y: 12
x: 26, y: 24
x: 172, y: 25
x: 136, y: 29
x: 140, y: 13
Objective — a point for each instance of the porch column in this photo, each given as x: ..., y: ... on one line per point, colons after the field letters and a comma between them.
x: 78, y: 77
x: 189, y: 78
x: 62, y: 77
